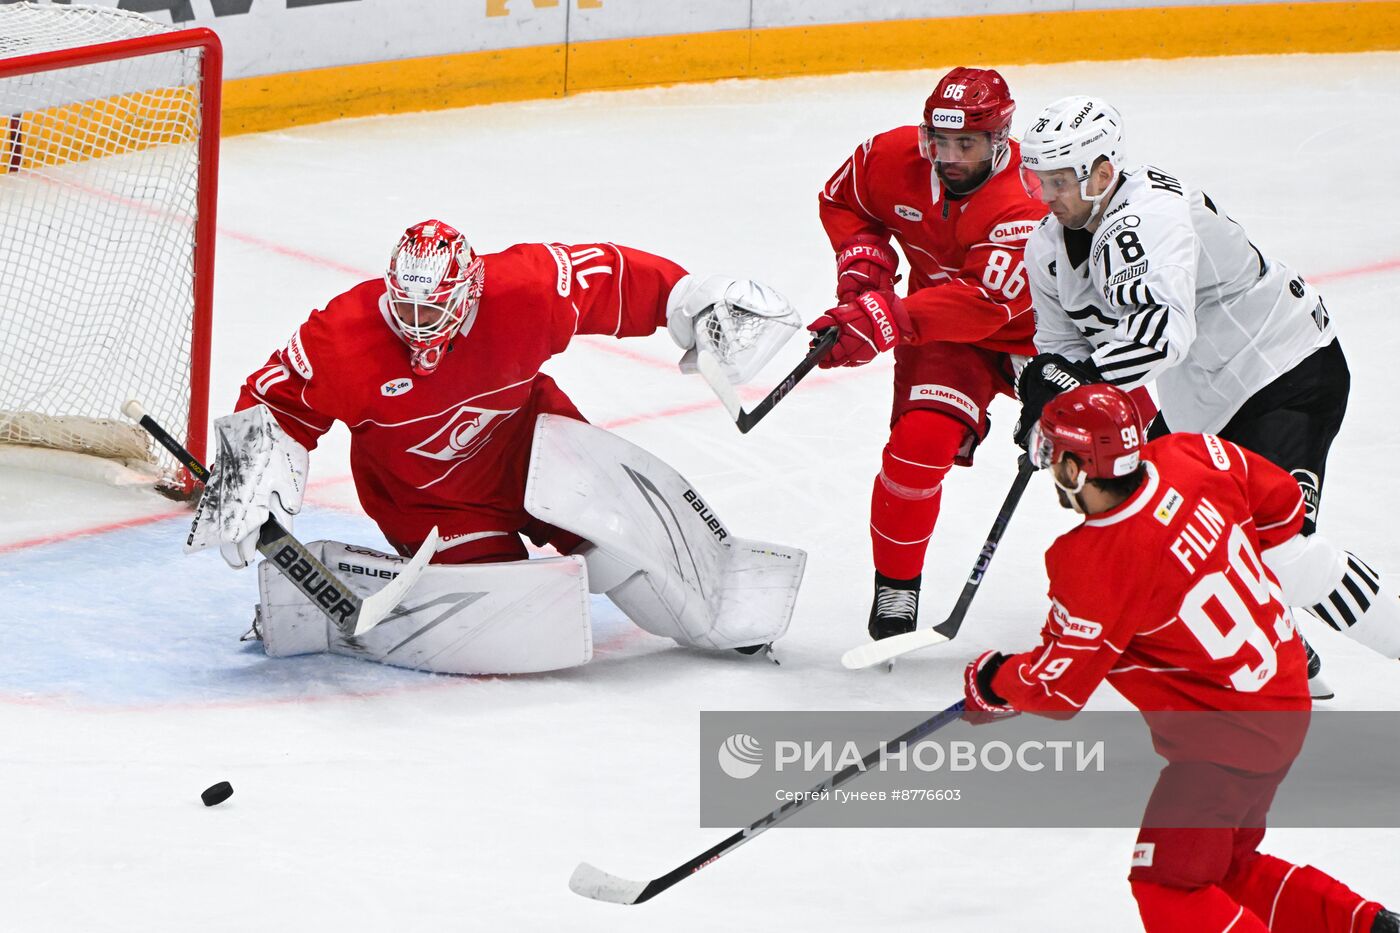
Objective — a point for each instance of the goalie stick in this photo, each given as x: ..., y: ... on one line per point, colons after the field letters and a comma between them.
x: 887, y: 649
x: 601, y: 886
x: 351, y: 614
x: 710, y: 368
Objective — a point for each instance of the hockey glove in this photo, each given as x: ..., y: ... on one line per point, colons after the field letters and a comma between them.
x: 1045, y: 377
x: 866, y: 263
x: 260, y: 472
x: 741, y: 322
x: 870, y: 325
x: 979, y: 699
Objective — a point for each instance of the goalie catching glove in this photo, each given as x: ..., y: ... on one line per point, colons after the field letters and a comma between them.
x: 742, y: 323
x: 260, y: 472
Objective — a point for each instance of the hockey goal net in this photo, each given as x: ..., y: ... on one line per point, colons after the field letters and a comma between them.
x: 109, y: 131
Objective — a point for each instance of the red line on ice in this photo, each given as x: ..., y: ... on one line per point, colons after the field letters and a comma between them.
x: 1385, y: 265
x: 93, y: 530
x: 609, y: 347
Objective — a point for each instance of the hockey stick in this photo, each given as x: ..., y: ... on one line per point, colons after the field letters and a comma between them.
x: 601, y: 886
x: 351, y: 614
x: 887, y: 649
x: 710, y: 368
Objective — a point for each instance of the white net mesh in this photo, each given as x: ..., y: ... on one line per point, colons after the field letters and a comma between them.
x: 98, y: 208
x: 745, y: 328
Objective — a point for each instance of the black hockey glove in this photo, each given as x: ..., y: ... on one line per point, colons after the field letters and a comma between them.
x: 1045, y: 377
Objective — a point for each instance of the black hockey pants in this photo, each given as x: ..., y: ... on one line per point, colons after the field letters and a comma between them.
x: 1292, y: 421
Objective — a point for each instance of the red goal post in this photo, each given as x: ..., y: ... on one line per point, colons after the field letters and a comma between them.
x: 109, y: 153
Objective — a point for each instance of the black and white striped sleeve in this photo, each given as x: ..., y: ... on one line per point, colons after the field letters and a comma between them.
x: 1155, y: 305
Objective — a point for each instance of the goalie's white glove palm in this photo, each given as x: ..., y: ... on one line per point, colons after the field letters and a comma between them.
x: 742, y: 323
x: 259, y: 472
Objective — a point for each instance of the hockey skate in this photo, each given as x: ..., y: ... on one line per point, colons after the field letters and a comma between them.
x: 765, y: 650
x: 1317, y: 687
x: 896, y: 606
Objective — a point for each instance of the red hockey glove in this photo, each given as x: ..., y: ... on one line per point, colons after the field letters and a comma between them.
x: 982, y: 705
x: 866, y: 263
x: 870, y: 325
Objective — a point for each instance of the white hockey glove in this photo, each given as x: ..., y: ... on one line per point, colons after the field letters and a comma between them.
x: 742, y: 323
x: 259, y: 472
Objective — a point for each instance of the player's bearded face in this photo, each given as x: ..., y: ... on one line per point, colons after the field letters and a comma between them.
x: 962, y: 160
x: 1066, y: 476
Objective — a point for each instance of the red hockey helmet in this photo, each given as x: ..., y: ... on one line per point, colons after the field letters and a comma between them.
x: 973, y: 100
x: 1098, y: 423
x: 435, y: 281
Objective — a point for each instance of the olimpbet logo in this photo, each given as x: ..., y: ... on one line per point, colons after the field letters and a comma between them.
x: 740, y: 756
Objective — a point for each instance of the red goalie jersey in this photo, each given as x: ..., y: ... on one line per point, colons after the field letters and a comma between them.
x: 970, y: 247
x: 452, y: 448
x: 1167, y: 596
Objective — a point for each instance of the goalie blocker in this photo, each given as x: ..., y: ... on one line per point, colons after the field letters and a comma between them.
x: 655, y: 547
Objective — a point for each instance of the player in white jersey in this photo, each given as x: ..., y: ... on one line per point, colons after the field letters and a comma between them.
x: 1138, y: 277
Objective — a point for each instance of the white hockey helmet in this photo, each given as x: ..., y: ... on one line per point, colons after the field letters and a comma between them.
x: 1073, y: 133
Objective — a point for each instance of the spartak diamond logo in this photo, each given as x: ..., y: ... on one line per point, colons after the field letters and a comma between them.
x: 467, y: 430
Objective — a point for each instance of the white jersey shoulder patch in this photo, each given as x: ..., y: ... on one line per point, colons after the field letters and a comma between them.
x: 1012, y: 231
x: 297, y: 357
x: 1216, y: 448
x: 565, y: 281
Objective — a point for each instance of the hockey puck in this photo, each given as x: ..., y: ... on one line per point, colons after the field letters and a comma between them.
x: 217, y: 794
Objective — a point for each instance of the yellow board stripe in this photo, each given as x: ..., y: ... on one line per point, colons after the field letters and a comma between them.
x: 93, y: 129
x: 441, y: 82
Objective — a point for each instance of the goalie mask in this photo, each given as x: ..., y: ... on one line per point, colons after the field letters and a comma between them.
x: 434, y: 284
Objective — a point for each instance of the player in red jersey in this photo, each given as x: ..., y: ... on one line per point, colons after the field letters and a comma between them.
x: 435, y: 370
x: 948, y: 192
x: 440, y: 431
x: 1162, y: 591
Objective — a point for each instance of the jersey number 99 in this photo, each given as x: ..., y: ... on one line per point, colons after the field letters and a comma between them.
x: 1224, y: 620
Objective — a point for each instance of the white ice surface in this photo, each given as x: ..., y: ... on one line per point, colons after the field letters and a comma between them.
x: 368, y: 798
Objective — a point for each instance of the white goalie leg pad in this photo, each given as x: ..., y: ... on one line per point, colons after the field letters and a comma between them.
x: 666, y: 559
x: 509, y: 618
x: 1340, y: 589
